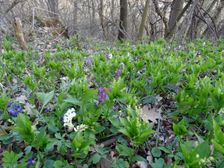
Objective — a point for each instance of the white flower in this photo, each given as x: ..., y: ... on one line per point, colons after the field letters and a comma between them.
x: 80, y: 128
x: 67, y: 118
x: 69, y: 125
x: 110, y: 56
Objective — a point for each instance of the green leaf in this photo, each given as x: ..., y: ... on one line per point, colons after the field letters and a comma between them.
x: 119, y: 163
x: 95, y: 158
x: 218, y: 140
x: 10, y: 159
x: 203, y: 150
x: 124, y: 150
x: 24, y: 128
x: 73, y: 101
x: 156, y: 152
x: 40, y: 140
x: 180, y: 128
x: 45, y: 98
x: 49, y: 163
x: 138, y: 158
x: 159, y: 163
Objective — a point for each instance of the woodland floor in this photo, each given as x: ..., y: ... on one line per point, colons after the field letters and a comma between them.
x: 69, y: 103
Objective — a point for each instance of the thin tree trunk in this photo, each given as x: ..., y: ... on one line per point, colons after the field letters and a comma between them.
x: 112, y: 10
x: 187, y: 22
x: 101, y: 14
x: 75, y: 18
x: 53, y: 9
x: 216, y: 16
x: 177, y: 23
x: 123, y: 25
x: 177, y: 7
x: 161, y: 15
x: 144, y: 17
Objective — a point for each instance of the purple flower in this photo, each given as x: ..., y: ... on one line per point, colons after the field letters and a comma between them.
x: 46, y: 110
x: 29, y: 162
x: 14, y: 109
x: 102, y: 95
x: 89, y: 61
x: 118, y: 73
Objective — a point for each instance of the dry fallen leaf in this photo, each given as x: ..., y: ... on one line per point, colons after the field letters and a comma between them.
x: 150, y: 114
x: 149, y: 158
x: 142, y: 164
x: 28, y: 108
x: 21, y: 99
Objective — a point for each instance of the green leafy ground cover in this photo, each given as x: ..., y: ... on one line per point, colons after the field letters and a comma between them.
x: 156, y: 103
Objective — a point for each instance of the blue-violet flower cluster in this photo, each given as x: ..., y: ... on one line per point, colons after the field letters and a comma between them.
x: 102, y: 95
x: 14, y: 109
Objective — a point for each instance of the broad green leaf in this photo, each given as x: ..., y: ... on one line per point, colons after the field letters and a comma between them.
x: 156, y: 152
x: 24, y: 127
x: 180, y: 128
x: 45, y: 98
x: 10, y: 159
x: 124, y: 150
x: 95, y: 158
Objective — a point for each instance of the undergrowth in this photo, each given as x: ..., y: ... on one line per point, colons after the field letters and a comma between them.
x: 74, y: 108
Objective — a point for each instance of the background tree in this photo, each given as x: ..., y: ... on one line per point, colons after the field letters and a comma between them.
x: 144, y: 17
x: 53, y: 8
x: 123, y: 23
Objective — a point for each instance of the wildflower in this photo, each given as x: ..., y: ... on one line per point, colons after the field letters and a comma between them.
x: 80, y: 128
x: 14, y: 109
x: 67, y: 118
x: 109, y: 56
x: 29, y: 162
x: 102, y: 95
x: 89, y: 61
x: 46, y: 110
x: 118, y: 73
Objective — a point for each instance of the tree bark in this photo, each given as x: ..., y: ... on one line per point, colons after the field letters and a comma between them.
x: 144, y: 17
x: 112, y: 10
x: 101, y: 13
x: 177, y: 23
x: 187, y: 23
x: 53, y: 9
x: 177, y: 7
x: 161, y: 15
x: 73, y: 28
x: 216, y: 16
x: 123, y: 24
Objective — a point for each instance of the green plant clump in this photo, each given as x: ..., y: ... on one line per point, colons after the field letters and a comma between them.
x: 156, y: 104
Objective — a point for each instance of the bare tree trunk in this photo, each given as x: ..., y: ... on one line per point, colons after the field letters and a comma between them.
x: 92, y: 14
x: 178, y: 21
x: 187, y: 23
x: 206, y: 16
x: 216, y: 17
x: 177, y: 7
x: 73, y: 28
x: 123, y: 25
x: 112, y: 10
x: 144, y: 17
x: 53, y: 8
x: 19, y: 34
x: 101, y: 14
x: 161, y: 15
